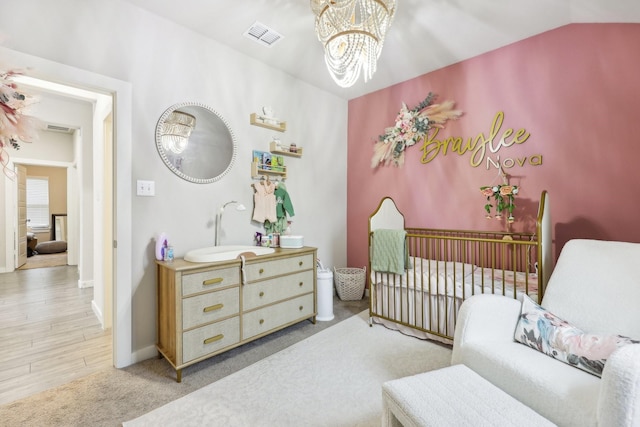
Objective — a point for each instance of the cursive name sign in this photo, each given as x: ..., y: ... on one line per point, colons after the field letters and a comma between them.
x: 481, y: 147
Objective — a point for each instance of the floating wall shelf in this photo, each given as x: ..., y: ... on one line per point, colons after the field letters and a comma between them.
x: 282, y: 150
x: 267, y: 122
x: 257, y: 171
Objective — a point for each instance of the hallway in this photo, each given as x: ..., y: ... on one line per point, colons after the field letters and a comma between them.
x: 49, y: 333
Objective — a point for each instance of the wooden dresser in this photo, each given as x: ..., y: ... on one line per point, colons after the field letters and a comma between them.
x: 207, y: 308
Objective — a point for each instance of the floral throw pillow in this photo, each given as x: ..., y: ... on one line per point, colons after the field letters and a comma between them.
x: 555, y: 337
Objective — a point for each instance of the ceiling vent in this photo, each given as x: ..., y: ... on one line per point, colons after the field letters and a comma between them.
x: 262, y: 34
x: 58, y: 128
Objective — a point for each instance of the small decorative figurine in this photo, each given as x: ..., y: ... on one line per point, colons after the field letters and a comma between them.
x: 269, y: 115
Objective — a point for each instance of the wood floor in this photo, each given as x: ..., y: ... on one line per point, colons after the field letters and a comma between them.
x: 49, y: 334
x: 45, y: 260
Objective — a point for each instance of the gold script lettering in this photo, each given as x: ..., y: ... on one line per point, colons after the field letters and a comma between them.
x: 479, y: 145
x: 431, y: 147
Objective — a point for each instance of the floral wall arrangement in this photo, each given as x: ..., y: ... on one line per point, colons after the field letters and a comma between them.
x: 504, y: 196
x: 15, y: 125
x: 411, y: 126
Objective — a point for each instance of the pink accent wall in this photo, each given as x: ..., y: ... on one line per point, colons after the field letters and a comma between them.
x: 576, y: 89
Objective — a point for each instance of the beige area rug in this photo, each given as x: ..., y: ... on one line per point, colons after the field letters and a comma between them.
x: 45, y: 260
x: 332, y: 378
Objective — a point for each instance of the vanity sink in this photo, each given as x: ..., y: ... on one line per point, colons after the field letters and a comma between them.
x: 224, y: 253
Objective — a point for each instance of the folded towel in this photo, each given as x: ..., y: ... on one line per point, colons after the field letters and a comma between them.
x: 389, y: 252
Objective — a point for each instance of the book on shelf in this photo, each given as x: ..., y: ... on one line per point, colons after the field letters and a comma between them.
x: 257, y: 158
x: 263, y: 159
x: 266, y: 160
x: 277, y: 163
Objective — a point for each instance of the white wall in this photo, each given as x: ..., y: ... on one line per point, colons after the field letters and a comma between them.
x: 167, y: 64
x: 53, y: 146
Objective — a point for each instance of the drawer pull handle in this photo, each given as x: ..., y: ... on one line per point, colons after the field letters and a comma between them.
x: 261, y: 294
x: 213, y: 308
x: 261, y: 271
x: 301, y: 284
x: 212, y: 281
x: 300, y: 263
x: 301, y: 307
x: 214, y: 339
x: 261, y: 321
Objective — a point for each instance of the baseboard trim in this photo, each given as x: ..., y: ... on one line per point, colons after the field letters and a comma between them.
x: 97, y: 312
x: 85, y: 284
x: 144, y: 354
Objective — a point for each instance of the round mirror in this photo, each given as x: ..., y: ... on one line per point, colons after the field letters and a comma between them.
x: 195, y: 142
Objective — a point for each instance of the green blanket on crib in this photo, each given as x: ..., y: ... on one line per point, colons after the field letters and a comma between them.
x: 389, y: 252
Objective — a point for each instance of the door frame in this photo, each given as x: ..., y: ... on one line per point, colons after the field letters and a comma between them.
x: 20, y: 233
x: 12, y: 199
x: 121, y: 92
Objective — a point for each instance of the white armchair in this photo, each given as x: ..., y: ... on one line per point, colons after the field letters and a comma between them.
x: 596, y: 287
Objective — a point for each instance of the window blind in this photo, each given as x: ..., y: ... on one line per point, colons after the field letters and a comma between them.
x: 38, y: 202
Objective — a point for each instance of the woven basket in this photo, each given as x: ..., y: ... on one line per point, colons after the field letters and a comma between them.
x: 350, y: 283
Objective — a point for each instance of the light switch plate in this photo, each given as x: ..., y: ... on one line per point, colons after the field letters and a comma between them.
x: 146, y: 188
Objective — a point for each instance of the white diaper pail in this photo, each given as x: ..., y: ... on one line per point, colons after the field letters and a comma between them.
x: 325, y: 293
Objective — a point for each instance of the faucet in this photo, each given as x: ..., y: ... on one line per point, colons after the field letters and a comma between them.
x: 240, y: 207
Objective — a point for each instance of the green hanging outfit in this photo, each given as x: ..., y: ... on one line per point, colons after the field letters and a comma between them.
x: 283, y: 207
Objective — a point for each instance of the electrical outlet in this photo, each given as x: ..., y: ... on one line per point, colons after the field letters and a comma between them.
x: 146, y: 188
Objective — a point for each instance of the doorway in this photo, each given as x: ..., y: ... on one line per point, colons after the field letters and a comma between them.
x: 121, y: 245
x: 88, y: 213
x: 42, y: 190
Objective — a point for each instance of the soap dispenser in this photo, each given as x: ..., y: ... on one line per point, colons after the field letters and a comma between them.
x: 162, y: 241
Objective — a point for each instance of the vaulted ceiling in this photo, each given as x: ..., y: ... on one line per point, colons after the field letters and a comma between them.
x: 425, y: 35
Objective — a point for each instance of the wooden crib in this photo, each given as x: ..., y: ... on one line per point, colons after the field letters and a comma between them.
x: 448, y: 266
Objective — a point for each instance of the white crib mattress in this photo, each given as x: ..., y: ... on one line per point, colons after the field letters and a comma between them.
x: 443, y: 286
x: 458, y: 279
x: 435, y: 277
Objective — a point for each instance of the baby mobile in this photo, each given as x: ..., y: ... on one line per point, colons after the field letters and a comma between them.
x: 411, y: 126
x: 15, y: 126
x: 504, y: 195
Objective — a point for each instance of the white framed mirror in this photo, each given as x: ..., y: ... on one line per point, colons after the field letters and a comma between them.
x: 195, y: 142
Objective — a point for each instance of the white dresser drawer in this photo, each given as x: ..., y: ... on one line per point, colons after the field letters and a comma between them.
x: 266, y: 269
x: 265, y: 292
x: 209, y: 307
x: 209, y: 280
x: 265, y: 319
x: 208, y: 339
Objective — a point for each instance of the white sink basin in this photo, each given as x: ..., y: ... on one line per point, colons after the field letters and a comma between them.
x: 224, y: 253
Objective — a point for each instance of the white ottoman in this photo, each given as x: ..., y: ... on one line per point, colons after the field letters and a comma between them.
x: 454, y: 396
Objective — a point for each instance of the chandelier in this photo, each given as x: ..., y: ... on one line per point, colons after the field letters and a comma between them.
x: 176, y: 130
x: 352, y: 33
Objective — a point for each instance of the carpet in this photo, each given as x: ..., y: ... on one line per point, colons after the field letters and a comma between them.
x: 332, y: 378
